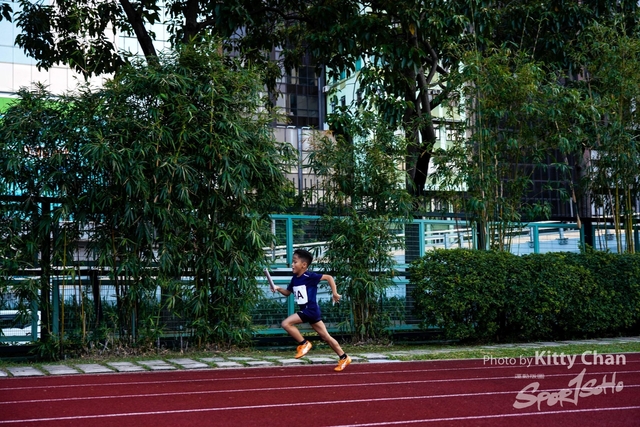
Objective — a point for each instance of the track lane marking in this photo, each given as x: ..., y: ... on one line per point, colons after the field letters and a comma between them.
x: 284, y: 388
x: 279, y: 405
x: 254, y: 390
x: 481, y: 417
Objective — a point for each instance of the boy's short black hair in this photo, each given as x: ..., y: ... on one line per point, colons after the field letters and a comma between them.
x: 304, y: 255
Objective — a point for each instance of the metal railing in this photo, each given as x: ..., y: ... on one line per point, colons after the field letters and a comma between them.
x: 74, y: 295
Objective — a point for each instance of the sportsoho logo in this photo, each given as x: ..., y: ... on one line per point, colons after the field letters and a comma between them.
x: 578, y: 387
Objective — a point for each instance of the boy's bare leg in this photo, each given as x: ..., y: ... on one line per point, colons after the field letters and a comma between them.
x: 321, y: 329
x: 289, y: 325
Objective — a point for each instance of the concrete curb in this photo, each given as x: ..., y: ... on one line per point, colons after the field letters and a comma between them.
x: 184, y: 363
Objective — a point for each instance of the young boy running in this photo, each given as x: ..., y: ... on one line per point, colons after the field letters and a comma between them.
x: 304, y: 286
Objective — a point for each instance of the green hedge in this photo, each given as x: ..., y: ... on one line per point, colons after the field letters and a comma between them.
x: 498, y: 296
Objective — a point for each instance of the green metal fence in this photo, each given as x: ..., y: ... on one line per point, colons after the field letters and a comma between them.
x: 83, y: 299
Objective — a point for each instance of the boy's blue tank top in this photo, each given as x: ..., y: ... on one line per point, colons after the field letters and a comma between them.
x: 305, y: 289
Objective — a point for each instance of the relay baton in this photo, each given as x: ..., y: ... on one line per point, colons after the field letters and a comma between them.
x: 271, y: 284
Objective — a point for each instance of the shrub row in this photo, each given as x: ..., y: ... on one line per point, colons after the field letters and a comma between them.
x: 498, y: 296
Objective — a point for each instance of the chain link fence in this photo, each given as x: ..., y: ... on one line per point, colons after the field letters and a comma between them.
x: 89, y: 303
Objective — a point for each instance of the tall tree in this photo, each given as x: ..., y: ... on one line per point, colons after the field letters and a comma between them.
x: 174, y: 170
x: 82, y: 33
x: 410, y: 44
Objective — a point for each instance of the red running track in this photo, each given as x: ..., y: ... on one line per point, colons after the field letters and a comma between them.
x: 436, y: 393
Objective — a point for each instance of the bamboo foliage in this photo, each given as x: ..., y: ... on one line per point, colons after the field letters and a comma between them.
x: 523, y: 116
x: 360, y: 167
x: 36, y: 158
x: 515, y: 113
x: 611, y: 84
x: 172, y: 168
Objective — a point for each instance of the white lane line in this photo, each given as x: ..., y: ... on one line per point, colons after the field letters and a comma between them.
x: 270, y: 389
x: 435, y: 396
x: 275, y: 376
x: 482, y: 417
x: 250, y: 390
x: 284, y: 388
x: 278, y: 405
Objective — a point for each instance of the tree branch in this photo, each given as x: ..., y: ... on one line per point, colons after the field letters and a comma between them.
x: 144, y: 39
x: 283, y: 14
x: 191, y: 26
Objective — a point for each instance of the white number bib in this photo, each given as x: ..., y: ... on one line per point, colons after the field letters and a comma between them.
x: 300, y: 294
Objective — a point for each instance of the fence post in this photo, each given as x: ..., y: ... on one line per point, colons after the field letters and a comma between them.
x: 34, y: 320
x: 95, y: 292
x: 421, y: 231
x: 290, y: 303
x: 273, y: 243
x: 474, y: 236
x: 45, y: 274
x: 55, y: 307
x: 133, y: 324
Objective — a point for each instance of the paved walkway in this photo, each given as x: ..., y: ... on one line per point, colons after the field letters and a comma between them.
x: 185, y: 363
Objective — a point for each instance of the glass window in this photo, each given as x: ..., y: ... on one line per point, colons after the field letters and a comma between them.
x: 6, y: 54
x: 7, y: 30
x: 302, y: 102
x: 19, y: 57
x: 452, y: 133
x: 6, y: 83
x: 313, y: 103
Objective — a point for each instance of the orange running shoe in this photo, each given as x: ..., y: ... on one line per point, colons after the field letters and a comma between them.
x: 342, y: 363
x: 303, y: 349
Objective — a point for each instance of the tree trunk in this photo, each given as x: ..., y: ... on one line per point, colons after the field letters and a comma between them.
x: 145, y: 40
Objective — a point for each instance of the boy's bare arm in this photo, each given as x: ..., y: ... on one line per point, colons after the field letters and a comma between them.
x: 334, y: 288
x: 283, y: 291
